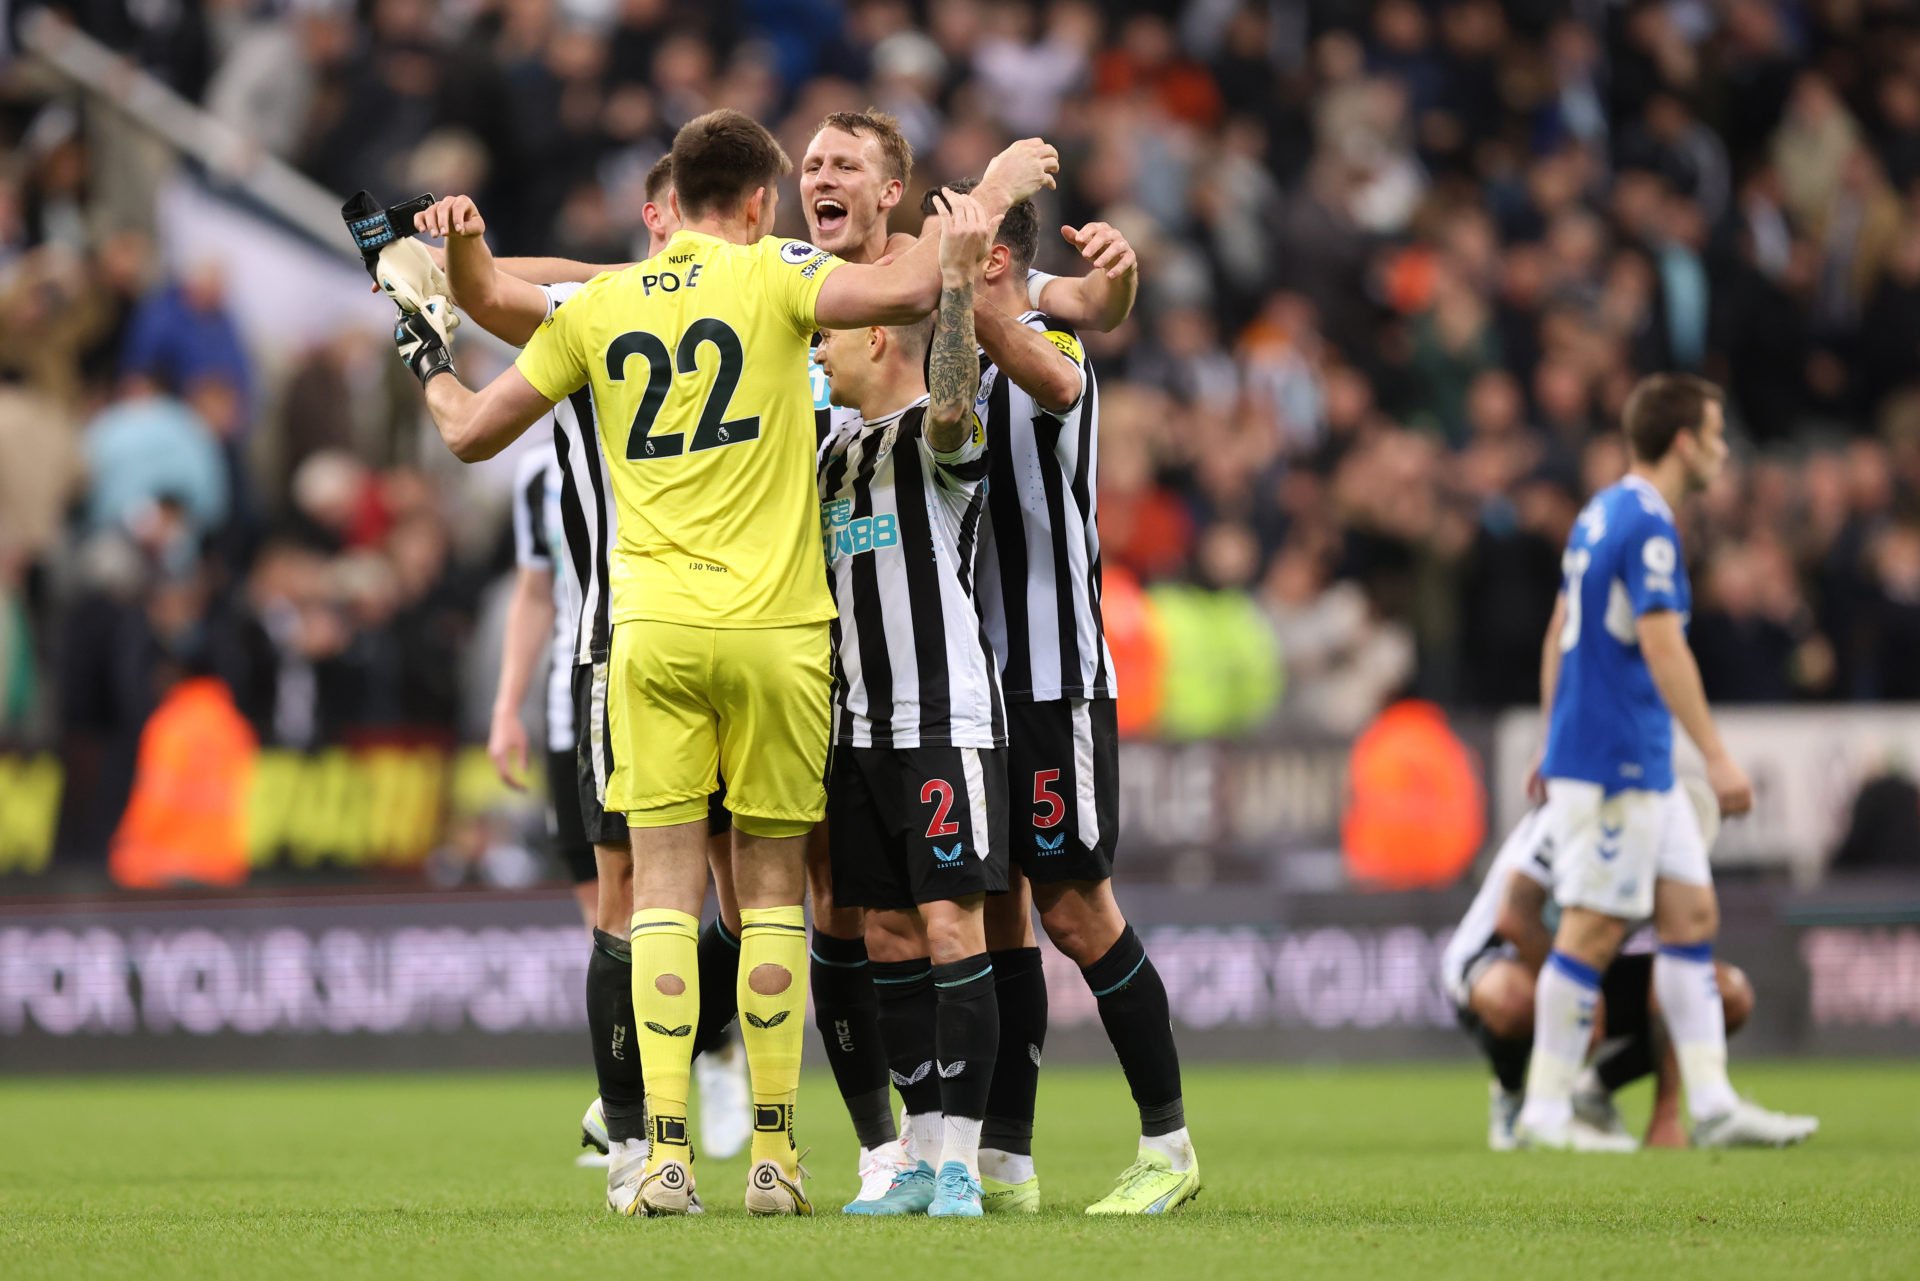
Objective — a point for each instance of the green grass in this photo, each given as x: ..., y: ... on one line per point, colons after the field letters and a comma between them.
x: 1358, y: 1173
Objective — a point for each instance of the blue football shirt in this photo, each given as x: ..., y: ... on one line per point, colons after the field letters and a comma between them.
x: 1609, y: 725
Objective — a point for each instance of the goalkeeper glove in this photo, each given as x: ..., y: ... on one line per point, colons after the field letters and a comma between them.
x: 407, y: 273
x: 421, y: 338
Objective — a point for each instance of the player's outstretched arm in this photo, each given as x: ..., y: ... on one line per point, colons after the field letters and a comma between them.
x: 953, y: 368
x: 1036, y: 366
x: 479, y: 424
x: 555, y: 271
x: 543, y: 271
x: 1017, y: 174
x: 1663, y: 643
x: 855, y: 295
x: 529, y: 623
x: 1104, y: 297
x: 474, y: 425
x: 504, y: 305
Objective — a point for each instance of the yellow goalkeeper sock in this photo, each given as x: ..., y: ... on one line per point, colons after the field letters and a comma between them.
x: 666, y: 1009
x: 773, y: 1001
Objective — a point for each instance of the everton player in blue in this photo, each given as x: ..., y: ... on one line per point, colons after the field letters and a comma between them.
x: 1615, y: 674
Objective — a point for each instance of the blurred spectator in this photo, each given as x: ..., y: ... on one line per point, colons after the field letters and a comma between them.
x: 181, y: 338
x: 39, y: 472
x: 1342, y: 661
x: 152, y: 449
x: 1508, y: 584
x: 1883, y: 831
x: 186, y: 818
x: 268, y: 83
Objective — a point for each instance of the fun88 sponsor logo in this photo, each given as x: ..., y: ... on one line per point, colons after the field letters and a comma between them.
x: 843, y: 535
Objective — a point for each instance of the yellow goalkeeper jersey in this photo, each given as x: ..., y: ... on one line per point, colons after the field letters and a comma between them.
x: 698, y: 363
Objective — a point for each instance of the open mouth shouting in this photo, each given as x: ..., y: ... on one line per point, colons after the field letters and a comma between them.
x: 829, y: 216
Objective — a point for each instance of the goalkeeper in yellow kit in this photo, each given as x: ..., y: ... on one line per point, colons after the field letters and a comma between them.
x: 697, y: 363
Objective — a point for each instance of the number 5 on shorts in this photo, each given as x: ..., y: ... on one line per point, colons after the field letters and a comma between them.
x: 1048, y: 808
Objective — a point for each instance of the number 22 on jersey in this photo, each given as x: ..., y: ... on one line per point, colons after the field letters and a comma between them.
x: 715, y: 429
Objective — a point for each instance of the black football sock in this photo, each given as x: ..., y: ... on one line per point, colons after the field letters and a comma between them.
x: 966, y: 1034
x: 905, y: 989
x: 1020, y: 987
x: 1621, y: 1063
x: 1631, y: 1052
x: 847, y: 1012
x: 719, y: 986
x: 1139, y: 1023
x: 1508, y: 1058
x: 616, y: 1056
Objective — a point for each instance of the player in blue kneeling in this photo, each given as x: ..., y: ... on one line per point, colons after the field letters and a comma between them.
x: 1615, y: 675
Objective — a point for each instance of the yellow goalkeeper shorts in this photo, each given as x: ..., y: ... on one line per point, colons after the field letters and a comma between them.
x: 687, y: 706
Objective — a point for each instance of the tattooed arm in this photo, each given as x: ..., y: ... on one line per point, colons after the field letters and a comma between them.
x: 953, y: 367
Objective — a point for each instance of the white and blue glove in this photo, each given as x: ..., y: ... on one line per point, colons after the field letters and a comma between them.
x: 420, y: 336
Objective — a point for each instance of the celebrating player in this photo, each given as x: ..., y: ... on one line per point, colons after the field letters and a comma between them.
x: 1489, y: 972
x: 719, y: 650
x: 579, y: 516
x: 1615, y: 675
x: 852, y: 176
x: 855, y: 170
x: 1039, y: 591
x: 917, y: 790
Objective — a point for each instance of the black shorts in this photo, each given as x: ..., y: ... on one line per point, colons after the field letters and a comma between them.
x: 564, y: 819
x: 1063, y: 774
x: 594, y: 765
x: 916, y: 825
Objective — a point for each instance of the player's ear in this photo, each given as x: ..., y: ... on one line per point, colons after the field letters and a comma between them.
x: 891, y: 193
x: 999, y: 261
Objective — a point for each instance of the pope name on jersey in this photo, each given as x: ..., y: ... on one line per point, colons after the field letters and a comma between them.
x: 1608, y: 723
x: 900, y: 523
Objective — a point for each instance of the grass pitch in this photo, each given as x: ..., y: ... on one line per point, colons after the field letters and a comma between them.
x: 1358, y: 1173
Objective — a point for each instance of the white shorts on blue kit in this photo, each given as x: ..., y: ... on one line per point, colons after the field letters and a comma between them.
x: 1609, y: 850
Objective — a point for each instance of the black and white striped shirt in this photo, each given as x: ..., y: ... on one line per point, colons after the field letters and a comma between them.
x: 587, y: 518
x: 900, y: 523
x: 537, y: 544
x: 1040, y: 553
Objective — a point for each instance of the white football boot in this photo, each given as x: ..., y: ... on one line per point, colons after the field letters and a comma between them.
x: 1597, y: 1126
x: 625, y: 1160
x: 879, y: 1167
x: 593, y: 1134
x: 1748, y: 1125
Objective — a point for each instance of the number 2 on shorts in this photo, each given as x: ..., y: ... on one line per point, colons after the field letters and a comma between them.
x: 939, y: 792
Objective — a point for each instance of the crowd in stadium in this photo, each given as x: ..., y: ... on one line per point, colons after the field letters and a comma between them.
x: 1400, y: 262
